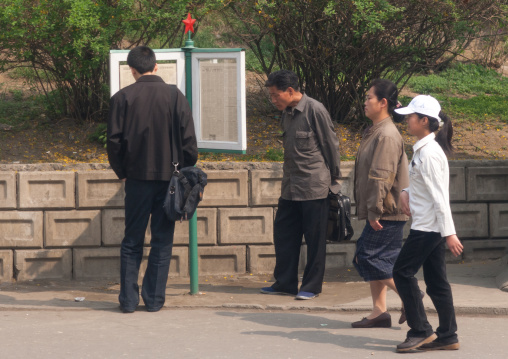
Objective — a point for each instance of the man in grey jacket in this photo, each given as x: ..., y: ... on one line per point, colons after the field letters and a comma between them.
x: 310, y: 171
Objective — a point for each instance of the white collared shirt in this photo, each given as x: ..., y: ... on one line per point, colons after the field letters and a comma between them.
x: 429, y: 198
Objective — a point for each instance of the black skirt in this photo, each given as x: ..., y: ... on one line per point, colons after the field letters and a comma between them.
x: 376, y: 251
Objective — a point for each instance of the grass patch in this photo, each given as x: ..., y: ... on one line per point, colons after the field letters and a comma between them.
x: 478, y: 108
x: 405, y: 100
x: 25, y: 73
x: 271, y: 155
x: 275, y: 155
x: 461, y: 79
x: 17, y: 110
x: 466, y: 92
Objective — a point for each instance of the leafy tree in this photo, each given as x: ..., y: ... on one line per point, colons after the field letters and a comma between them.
x: 66, y: 43
x: 338, y: 47
x: 335, y: 46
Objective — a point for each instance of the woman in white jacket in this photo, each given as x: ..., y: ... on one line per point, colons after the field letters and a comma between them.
x: 427, y: 202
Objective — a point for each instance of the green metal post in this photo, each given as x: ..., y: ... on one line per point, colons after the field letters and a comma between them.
x: 193, y: 254
x: 193, y: 222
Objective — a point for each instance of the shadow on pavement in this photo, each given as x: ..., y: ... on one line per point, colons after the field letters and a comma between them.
x: 316, y: 330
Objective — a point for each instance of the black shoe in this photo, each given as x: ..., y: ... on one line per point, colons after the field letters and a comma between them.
x: 414, y: 342
x: 125, y: 310
x: 381, y: 321
x: 306, y: 295
x: 152, y: 310
x: 436, y: 345
x: 270, y: 290
x: 403, y: 318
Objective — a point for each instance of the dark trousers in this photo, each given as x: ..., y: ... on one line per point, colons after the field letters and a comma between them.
x: 425, y: 249
x: 143, y: 198
x: 293, y: 220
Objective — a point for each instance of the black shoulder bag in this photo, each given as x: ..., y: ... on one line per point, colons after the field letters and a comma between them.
x: 186, y: 185
x: 339, y: 218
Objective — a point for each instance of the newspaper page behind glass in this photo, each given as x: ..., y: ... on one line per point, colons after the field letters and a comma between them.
x: 218, y: 98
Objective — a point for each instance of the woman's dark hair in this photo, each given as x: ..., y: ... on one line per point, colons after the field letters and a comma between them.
x: 388, y: 90
x: 141, y: 58
x: 283, y: 79
x: 444, y: 136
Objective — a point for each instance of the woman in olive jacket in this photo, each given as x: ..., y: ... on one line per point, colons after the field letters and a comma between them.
x: 381, y: 172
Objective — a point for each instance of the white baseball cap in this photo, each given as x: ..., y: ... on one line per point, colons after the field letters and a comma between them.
x: 422, y: 104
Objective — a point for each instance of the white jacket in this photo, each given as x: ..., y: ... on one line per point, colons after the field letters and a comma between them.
x: 429, y: 198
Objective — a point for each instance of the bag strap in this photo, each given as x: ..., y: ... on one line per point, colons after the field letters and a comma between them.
x: 175, y: 134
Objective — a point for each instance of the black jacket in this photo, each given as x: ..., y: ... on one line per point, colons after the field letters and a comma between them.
x: 139, y: 130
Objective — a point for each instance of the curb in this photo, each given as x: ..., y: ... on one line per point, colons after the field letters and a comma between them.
x: 258, y: 307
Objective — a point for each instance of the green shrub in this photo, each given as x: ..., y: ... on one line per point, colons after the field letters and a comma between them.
x: 214, y: 32
x: 69, y: 43
x: 19, y: 110
x: 100, y: 134
x: 17, y: 95
x: 53, y: 103
x: 338, y: 47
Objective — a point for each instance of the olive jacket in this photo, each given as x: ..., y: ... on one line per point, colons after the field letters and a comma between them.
x: 311, y: 152
x: 381, y: 172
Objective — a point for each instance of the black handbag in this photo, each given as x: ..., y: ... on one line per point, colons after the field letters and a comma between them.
x: 186, y: 186
x: 185, y: 191
x: 339, y: 218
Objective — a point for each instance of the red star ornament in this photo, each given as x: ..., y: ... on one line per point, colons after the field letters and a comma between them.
x: 189, y: 23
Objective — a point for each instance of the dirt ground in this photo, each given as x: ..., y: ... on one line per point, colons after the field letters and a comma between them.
x: 65, y: 141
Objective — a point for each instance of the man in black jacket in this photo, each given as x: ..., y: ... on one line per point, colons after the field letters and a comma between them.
x: 139, y: 151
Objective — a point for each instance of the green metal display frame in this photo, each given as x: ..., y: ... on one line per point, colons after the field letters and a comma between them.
x: 193, y: 232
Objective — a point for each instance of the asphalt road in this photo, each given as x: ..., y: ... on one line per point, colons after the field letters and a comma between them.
x: 202, y: 333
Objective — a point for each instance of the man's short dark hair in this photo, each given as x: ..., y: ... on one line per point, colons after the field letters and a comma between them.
x: 142, y: 58
x: 283, y: 79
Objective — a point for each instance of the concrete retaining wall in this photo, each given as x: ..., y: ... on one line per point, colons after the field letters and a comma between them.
x: 66, y: 221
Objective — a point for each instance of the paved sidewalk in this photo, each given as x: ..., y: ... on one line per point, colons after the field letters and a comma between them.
x: 474, y: 288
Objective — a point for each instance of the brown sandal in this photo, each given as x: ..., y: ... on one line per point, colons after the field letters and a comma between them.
x: 403, y: 318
